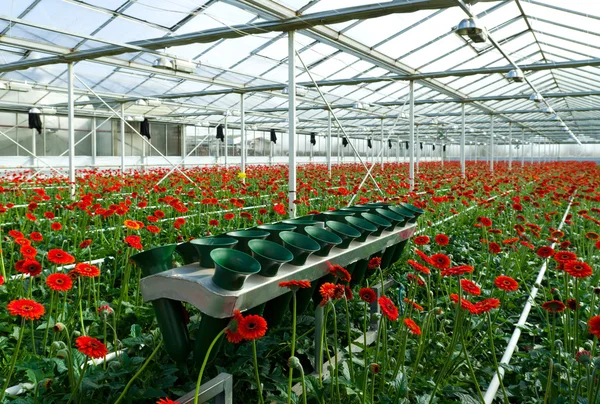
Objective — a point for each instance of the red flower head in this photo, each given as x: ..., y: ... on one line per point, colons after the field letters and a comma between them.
x: 61, y: 257
x: 15, y: 234
x: 374, y: 263
x: 166, y: 401
x: 232, y: 332
x: 340, y: 272
x: 545, y: 252
x: 440, y: 261
x: 1, y: 280
x: 36, y: 236
x: 29, y: 267
x: 487, y: 222
x: 424, y: 256
x: 228, y: 216
x: 28, y: 251
x: 564, y: 256
x: 495, y: 248
x: 422, y: 240
x: 87, y: 270
x: 415, y: 278
x: 573, y: 305
x: 134, y: 241
x: 252, y: 327
x: 554, y: 306
x: 412, y: 326
x: 464, y: 303
x: 92, y: 347
x: 418, y: 267
x: 85, y: 243
x: 486, y: 305
x: 26, y: 308
x: 442, y: 239
x: 459, y: 270
x: 470, y: 287
x: 506, y: 283
x: 56, y: 226
x: 367, y: 295
x: 279, y: 209
x: 578, y: 269
x: 295, y: 284
x: 388, y: 308
x: 594, y: 326
x: 213, y: 222
x: 413, y: 304
x: 59, y: 282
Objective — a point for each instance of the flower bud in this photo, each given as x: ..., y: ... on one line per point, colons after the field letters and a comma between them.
x: 294, y: 363
x: 62, y: 354
x: 597, y: 363
x: 583, y: 357
x: 57, y: 345
x: 76, y: 333
x: 46, y: 383
x: 58, y: 328
x: 376, y: 317
x: 374, y: 368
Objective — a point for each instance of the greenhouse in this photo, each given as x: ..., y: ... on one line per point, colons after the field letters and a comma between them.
x: 299, y: 201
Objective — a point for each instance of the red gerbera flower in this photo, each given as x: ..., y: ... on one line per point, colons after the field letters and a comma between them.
x: 153, y: 229
x: 87, y: 270
x: 470, y: 287
x: 36, y: 236
x: 412, y: 326
x: 464, y: 303
x: 554, y: 306
x: 573, y: 305
x: 418, y: 267
x: 92, y: 347
x: 413, y: 304
x: 29, y: 266
x: 56, y: 226
x: 59, y: 282
x: 388, y: 308
x: 487, y: 305
x: 442, y: 239
x: 213, y: 222
x: 166, y: 401
x: 594, y: 326
x: 545, y: 252
x: 422, y: 240
x: 486, y: 221
x: 61, y: 257
x: 15, y: 234
x: 374, y: 263
x: 367, y: 295
x: 506, y: 283
x: 459, y: 270
x: 228, y: 216
x: 440, y: 261
x: 232, y: 332
x: 26, y: 308
x: 340, y: 272
x: 423, y: 256
x: 295, y: 284
x: 85, y: 243
x: 1, y: 280
x: 578, y: 269
x: 252, y: 327
x: 22, y: 241
x: 495, y: 248
x: 564, y: 256
x: 28, y: 251
x: 134, y: 241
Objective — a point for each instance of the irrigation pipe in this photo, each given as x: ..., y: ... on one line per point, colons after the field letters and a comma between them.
x: 490, y: 394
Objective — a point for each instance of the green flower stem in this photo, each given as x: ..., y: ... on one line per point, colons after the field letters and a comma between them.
x: 365, y: 356
x: 349, y: 337
x: 291, y: 376
x: 48, y: 321
x: 33, y: 338
x: 493, y: 349
x: 212, y: 344
x: 75, y: 391
x: 256, y: 373
x: 304, y: 392
x: 142, y: 369
x: 335, y: 352
x: 13, y: 360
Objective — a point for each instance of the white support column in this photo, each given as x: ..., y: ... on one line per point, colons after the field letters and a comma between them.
x: 382, y: 145
x: 398, y: 144
x: 122, y: 134
x: 329, y: 143
x: 539, y: 151
x: 225, y: 153
x: 71, y: 119
x: 33, y: 149
x: 271, y: 147
x: 183, y: 147
x: 462, y: 141
x: 411, y: 136
x: 522, y: 147
x: 292, y: 123
x: 558, y: 152
x: 418, y: 154
x: 243, y: 141
x: 95, y: 142
x: 510, y: 146
x: 492, y: 144
x: 339, y: 147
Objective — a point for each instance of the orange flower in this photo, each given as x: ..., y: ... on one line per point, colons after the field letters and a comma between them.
x: 26, y: 308
x: 412, y: 326
x: 252, y: 327
x: 87, y: 270
x: 131, y: 224
x: 61, y: 257
x: 59, y: 282
x: 470, y: 287
x: 92, y: 347
x: 440, y: 261
x: 459, y: 270
x: 578, y: 269
x: 295, y: 284
x: 232, y: 332
x: 506, y: 283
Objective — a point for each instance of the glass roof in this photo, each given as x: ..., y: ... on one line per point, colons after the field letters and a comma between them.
x: 373, y: 50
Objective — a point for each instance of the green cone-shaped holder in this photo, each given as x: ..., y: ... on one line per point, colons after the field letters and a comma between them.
x: 393, y: 218
x: 378, y: 221
x: 346, y: 232
x: 205, y: 245
x: 337, y: 215
x: 355, y: 209
x: 363, y: 226
x: 359, y: 272
x: 188, y: 252
x: 270, y: 256
x: 169, y: 313
x: 244, y: 236
x: 275, y: 309
x: 416, y: 211
x: 207, y: 332
x: 326, y: 239
x: 301, y: 224
x: 274, y: 230
x: 372, y: 206
x: 300, y: 245
x: 411, y: 218
x: 232, y: 267
x: 386, y: 257
x: 398, y: 251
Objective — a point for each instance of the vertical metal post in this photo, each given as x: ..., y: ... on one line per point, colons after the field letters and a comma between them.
x: 225, y: 153
x: 558, y: 152
x: 510, y: 146
x: 292, y: 123
x: 71, y: 118
x: 398, y: 143
x: 183, y: 141
x: 122, y: 134
x: 411, y: 136
x: 339, y: 147
x: 319, y: 324
x: 311, y: 147
x: 462, y: 141
x: 95, y: 142
x: 418, y: 146
x: 492, y: 144
x: 243, y: 136
x: 33, y: 148
x: 522, y: 147
x: 539, y: 151
x: 382, y: 145
x: 329, y: 143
